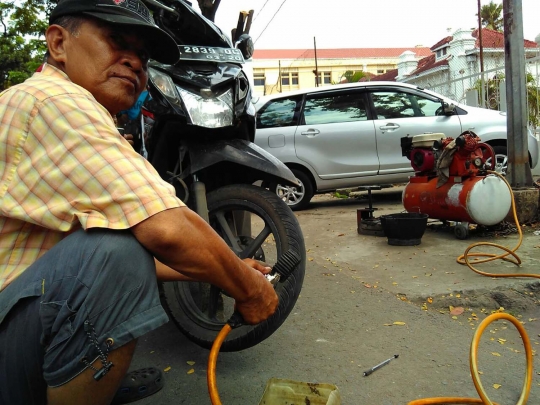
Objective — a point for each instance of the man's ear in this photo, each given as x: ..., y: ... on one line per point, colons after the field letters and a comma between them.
x: 56, y: 37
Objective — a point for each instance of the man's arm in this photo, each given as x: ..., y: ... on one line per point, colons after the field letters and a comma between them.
x: 182, y: 240
x: 166, y: 273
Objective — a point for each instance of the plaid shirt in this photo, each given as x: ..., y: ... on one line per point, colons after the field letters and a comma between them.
x: 64, y: 165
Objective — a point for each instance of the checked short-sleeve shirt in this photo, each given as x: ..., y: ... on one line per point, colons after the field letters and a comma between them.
x: 63, y: 165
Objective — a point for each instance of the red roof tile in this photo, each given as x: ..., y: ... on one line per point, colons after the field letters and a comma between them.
x: 490, y: 39
x: 343, y: 53
x: 495, y: 39
x: 389, y: 76
x: 441, y: 42
x: 428, y: 64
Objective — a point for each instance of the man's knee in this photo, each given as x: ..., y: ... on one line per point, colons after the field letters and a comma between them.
x: 117, y: 256
x: 121, y: 252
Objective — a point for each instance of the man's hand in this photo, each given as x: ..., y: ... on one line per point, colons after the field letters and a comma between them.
x: 129, y: 138
x: 183, y: 241
x: 261, y: 304
x: 257, y: 265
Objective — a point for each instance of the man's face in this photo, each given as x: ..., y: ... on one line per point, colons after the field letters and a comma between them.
x: 110, y: 62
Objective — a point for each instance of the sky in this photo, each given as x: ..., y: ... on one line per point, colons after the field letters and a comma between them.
x: 300, y: 24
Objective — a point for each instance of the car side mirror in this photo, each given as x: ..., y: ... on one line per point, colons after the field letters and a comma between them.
x: 245, y: 45
x: 449, y: 109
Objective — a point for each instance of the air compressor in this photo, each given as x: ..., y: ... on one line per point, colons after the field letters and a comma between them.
x: 452, y: 181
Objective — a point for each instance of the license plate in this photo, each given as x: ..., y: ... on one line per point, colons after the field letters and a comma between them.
x: 208, y: 53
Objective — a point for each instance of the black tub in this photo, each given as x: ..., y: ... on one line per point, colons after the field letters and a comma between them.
x: 404, y: 229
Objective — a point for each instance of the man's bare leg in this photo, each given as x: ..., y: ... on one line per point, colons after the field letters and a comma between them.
x: 84, y: 390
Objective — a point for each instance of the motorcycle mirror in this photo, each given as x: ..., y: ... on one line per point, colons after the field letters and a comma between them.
x: 245, y: 45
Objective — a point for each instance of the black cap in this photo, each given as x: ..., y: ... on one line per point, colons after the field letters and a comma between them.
x: 128, y: 13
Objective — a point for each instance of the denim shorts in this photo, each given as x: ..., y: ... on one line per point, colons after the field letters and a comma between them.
x: 93, y: 292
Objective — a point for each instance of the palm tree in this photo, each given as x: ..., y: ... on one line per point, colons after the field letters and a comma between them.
x: 491, y: 15
x: 351, y: 76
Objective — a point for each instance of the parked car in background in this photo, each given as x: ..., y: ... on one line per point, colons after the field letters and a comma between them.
x: 348, y: 135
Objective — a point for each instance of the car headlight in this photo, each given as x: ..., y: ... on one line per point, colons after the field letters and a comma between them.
x: 210, y: 112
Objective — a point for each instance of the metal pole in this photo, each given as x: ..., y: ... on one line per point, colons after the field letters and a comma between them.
x: 279, y: 78
x: 481, y: 42
x: 519, y: 171
x: 316, y: 67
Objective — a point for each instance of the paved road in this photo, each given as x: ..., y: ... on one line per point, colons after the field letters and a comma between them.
x: 356, y: 287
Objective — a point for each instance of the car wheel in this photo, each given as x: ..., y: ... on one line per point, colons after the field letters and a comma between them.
x: 501, y: 160
x: 296, y: 197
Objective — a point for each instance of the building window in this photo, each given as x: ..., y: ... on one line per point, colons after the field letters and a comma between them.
x: 289, y: 78
x: 259, y: 79
x: 441, y: 52
x: 325, y: 78
x: 380, y: 71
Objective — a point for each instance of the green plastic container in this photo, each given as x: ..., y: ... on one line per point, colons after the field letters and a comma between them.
x: 289, y: 392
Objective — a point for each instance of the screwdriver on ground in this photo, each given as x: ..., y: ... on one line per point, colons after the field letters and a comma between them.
x: 378, y: 366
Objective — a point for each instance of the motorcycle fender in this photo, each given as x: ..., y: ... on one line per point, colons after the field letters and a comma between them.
x: 243, y: 153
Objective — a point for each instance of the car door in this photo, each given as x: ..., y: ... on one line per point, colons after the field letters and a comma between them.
x: 336, y: 137
x: 402, y: 112
x: 276, y: 124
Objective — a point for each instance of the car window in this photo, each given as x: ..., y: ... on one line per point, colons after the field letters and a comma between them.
x: 395, y: 104
x: 278, y: 113
x: 336, y: 108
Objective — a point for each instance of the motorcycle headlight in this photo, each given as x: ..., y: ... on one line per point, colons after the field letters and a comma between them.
x: 209, y: 112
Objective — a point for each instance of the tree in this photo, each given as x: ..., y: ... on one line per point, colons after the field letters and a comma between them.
x: 492, y: 96
x: 209, y: 8
x: 351, y: 76
x: 491, y: 16
x: 22, y: 44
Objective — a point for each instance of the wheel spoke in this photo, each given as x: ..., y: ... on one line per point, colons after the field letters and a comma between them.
x: 213, y: 303
x: 249, y: 251
x: 228, y: 234
x: 291, y: 195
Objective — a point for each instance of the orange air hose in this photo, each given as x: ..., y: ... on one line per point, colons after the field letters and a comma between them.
x: 473, y: 358
x: 464, y: 258
x: 212, y: 359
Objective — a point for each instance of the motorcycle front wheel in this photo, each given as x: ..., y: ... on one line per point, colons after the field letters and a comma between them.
x: 199, y: 309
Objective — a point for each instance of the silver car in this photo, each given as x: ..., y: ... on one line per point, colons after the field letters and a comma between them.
x: 348, y: 135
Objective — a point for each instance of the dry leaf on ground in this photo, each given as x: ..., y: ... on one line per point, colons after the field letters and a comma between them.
x: 457, y: 311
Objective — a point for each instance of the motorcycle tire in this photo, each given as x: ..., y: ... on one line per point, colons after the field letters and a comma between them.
x: 200, y: 310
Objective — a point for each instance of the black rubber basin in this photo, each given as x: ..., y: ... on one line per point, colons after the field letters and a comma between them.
x: 404, y: 229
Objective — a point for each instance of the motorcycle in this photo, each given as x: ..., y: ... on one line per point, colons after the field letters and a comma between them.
x: 200, y: 139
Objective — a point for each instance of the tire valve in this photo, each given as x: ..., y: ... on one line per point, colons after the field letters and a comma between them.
x: 378, y: 366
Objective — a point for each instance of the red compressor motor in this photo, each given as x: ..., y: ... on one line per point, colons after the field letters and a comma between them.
x: 451, y: 182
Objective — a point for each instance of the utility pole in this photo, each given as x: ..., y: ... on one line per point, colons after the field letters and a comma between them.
x: 481, y: 42
x: 519, y: 171
x: 279, y: 77
x: 316, y: 71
